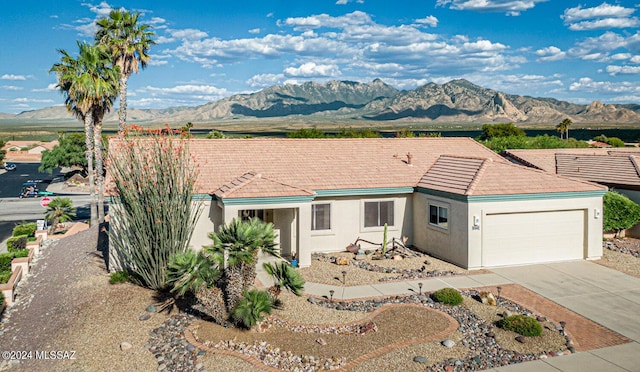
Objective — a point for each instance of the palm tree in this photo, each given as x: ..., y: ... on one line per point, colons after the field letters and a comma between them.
x: 563, y: 128
x: 89, y: 84
x: 284, y: 276
x: 128, y: 44
x: 59, y: 210
x: 235, y: 249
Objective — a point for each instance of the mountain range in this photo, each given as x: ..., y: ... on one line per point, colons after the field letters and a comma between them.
x: 458, y: 101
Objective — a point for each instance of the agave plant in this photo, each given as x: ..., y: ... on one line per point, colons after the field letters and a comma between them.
x: 252, y: 307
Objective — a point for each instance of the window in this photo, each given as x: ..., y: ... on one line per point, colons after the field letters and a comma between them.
x: 378, y: 213
x: 320, y: 217
x: 439, y: 216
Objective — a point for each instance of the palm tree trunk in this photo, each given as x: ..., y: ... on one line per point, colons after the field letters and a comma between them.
x: 88, y: 129
x: 122, y: 111
x: 97, y: 142
x: 233, y: 286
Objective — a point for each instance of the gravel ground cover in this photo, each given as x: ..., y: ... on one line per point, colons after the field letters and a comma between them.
x: 66, y: 304
x: 622, y: 255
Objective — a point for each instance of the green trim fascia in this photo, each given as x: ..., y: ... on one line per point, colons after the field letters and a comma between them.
x: 362, y: 191
x: 512, y: 197
x: 552, y: 195
x: 273, y: 200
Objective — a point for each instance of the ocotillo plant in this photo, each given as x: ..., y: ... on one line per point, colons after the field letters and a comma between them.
x: 153, y: 212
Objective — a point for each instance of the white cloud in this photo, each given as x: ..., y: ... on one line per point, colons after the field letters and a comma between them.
x: 50, y: 88
x: 188, y: 89
x: 599, y: 17
x: 31, y: 100
x: 625, y: 70
x: 550, y: 54
x: 604, y: 87
x: 254, y: 31
x: 430, y: 21
x: 310, y: 69
x: 13, y: 77
x: 509, y: 7
x: 265, y: 80
x: 344, y: 2
x: 12, y: 88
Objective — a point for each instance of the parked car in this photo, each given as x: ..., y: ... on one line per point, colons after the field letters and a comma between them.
x: 9, y: 166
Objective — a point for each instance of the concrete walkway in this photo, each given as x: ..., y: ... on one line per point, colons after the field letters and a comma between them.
x: 600, y: 294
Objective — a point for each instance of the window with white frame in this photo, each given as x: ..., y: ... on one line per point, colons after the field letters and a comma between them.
x: 439, y: 215
x: 320, y: 217
x: 377, y: 213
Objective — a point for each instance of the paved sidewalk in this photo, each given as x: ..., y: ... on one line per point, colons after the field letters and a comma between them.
x: 600, y: 294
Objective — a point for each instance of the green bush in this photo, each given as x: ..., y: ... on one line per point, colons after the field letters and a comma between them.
x: 524, y: 325
x: 4, y: 276
x: 449, y: 296
x: 490, y: 131
x: 118, y: 277
x: 21, y: 253
x: 620, y: 212
x: 1, y: 299
x: 28, y: 229
x: 16, y: 243
x: 5, y: 261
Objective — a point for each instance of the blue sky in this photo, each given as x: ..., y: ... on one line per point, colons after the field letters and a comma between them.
x: 573, y: 50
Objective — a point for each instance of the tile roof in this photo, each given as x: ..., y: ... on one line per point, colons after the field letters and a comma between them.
x: 608, y: 166
x: 252, y: 184
x: 269, y: 167
x: 477, y: 176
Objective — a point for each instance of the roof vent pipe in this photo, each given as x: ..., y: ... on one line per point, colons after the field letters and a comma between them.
x: 409, y: 157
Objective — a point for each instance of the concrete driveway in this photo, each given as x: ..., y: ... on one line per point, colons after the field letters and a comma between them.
x: 603, y: 295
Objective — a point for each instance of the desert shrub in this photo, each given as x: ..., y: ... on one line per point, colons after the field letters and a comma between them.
x: 522, y: 324
x: 252, y: 307
x: 118, y: 277
x: 154, y: 178
x: 28, y: 229
x: 490, y: 131
x: 16, y: 243
x: 449, y: 296
x: 21, y: 253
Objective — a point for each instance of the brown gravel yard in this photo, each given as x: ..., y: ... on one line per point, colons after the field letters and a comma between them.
x: 622, y: 262
x: 67, y: 304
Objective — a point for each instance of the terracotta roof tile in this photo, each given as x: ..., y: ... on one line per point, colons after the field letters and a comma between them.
x: 252, y: 184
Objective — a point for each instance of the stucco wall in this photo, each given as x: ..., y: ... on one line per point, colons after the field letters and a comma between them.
x: 347, y: 216
x: 449, y: 244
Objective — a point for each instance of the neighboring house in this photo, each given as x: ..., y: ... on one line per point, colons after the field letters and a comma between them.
x: 26, y: 150
x: 452, y: 198
x: 616, y: 168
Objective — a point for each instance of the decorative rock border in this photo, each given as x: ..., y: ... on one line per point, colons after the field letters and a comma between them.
x: 611, y: 245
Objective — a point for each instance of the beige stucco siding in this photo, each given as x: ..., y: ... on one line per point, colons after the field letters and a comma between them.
x: 449, y: 244
x: 347, y: 216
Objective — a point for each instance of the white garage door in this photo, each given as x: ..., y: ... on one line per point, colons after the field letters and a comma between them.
x: 536, y: 237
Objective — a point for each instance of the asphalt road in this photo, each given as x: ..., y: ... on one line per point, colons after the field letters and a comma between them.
x: 13, y: 210
x: 11, y: 182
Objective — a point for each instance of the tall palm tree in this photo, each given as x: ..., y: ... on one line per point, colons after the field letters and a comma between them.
x: 89, y: 84
x: 128, y: 44
x: 563, y: 128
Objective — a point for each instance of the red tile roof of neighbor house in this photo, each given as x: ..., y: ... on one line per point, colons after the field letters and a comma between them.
x: 243, y: 168
x: 609, y: 166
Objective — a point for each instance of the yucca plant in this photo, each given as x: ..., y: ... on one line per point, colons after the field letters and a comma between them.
x: 284, y: 276
x: 252, y: 307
